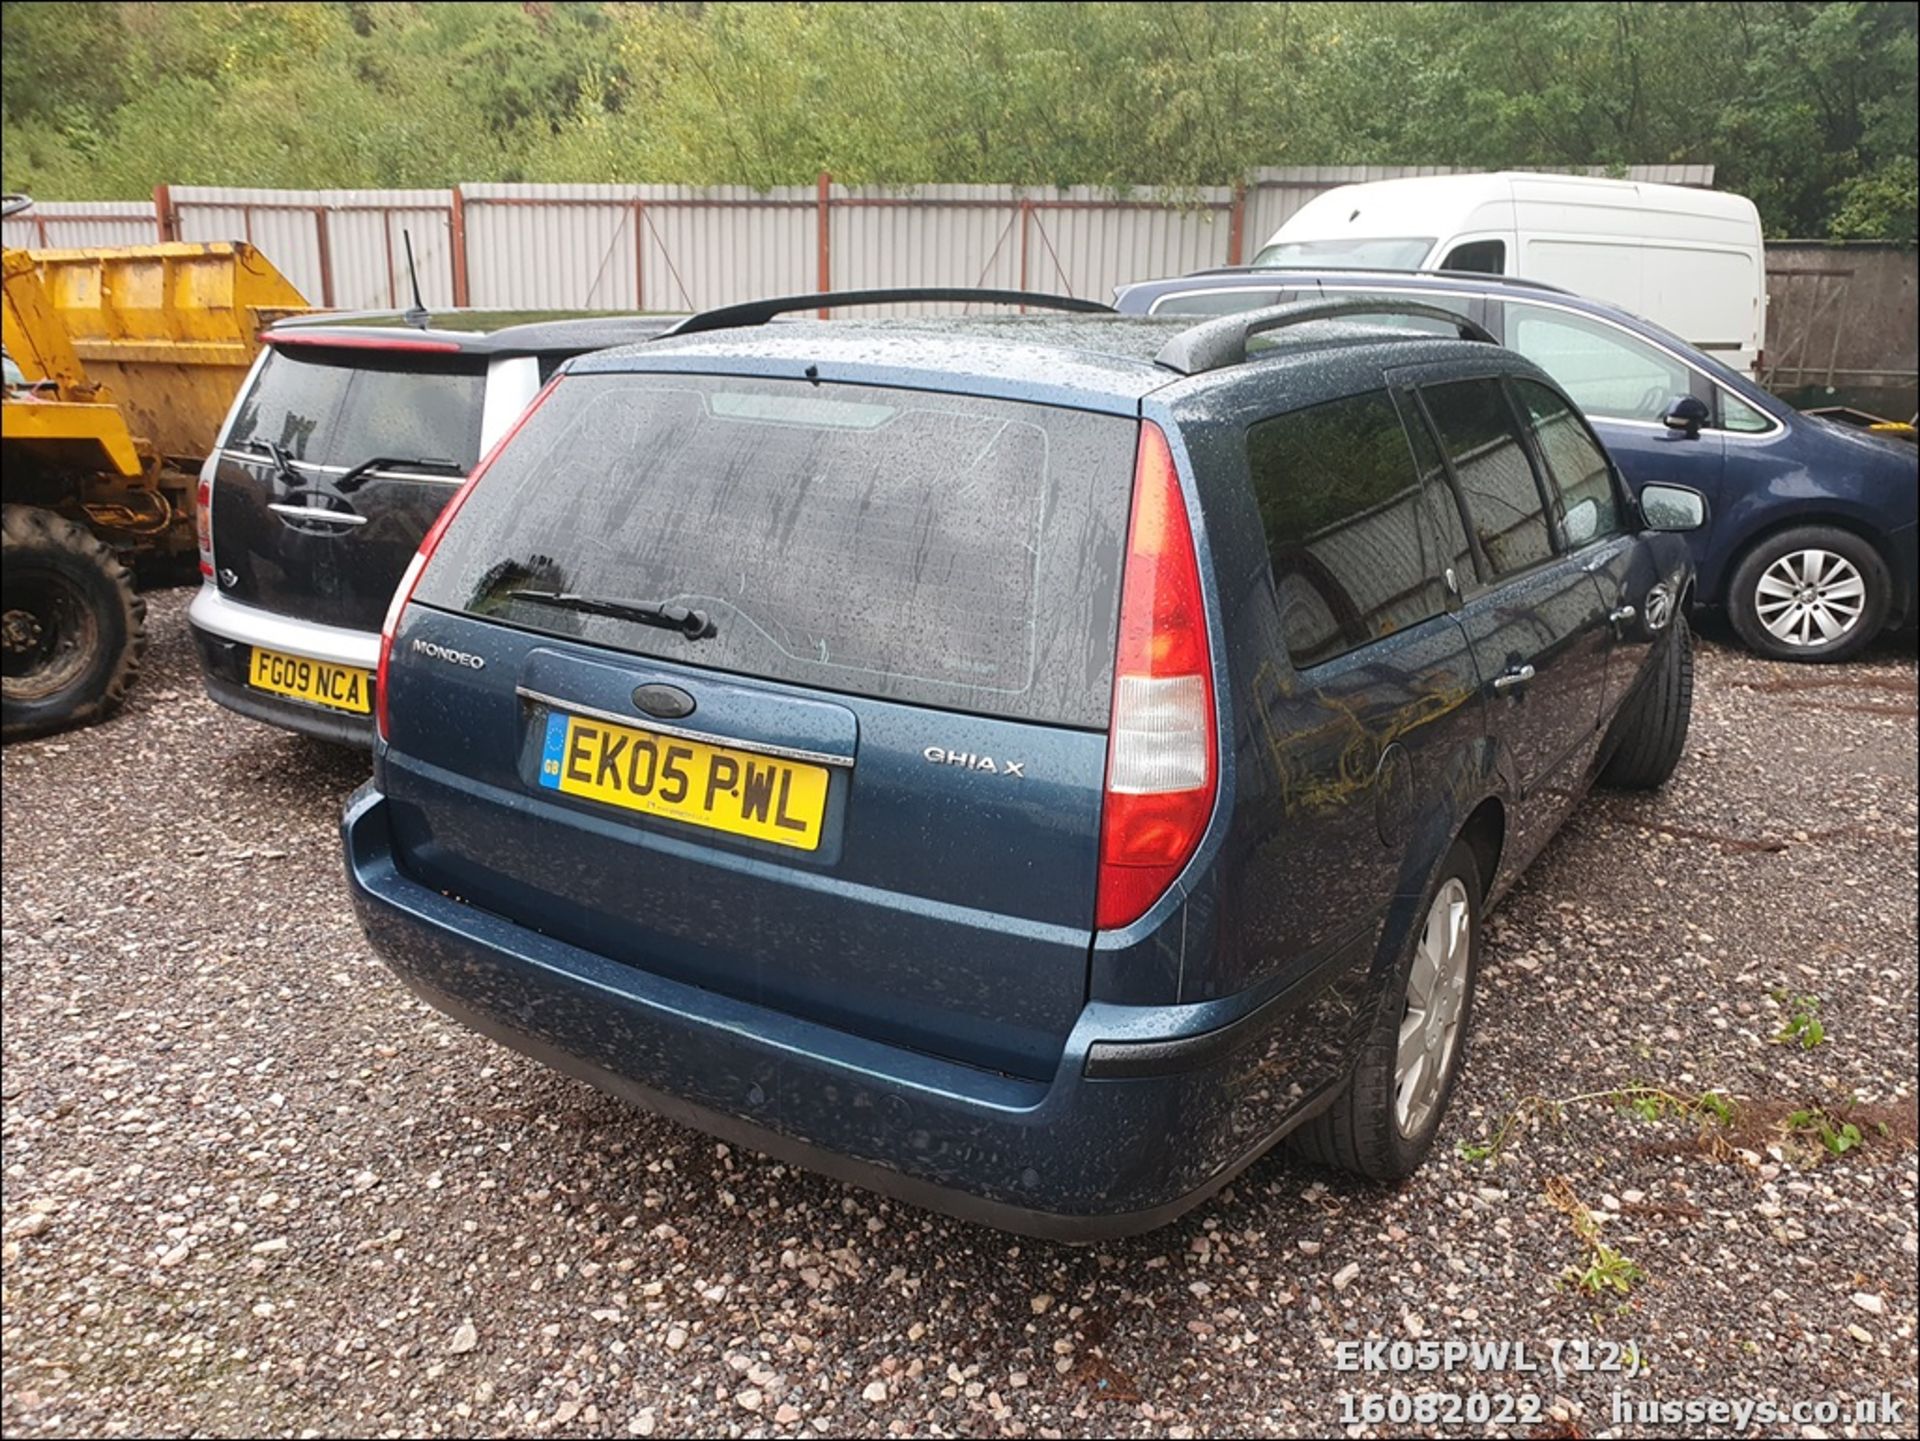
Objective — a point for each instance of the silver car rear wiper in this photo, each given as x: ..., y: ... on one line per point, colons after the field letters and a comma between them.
x: 359, y: 475
x: 256, y: 446
x: 693, y: 624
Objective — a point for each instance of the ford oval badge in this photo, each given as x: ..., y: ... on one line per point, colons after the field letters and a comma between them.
x: 668, y: 702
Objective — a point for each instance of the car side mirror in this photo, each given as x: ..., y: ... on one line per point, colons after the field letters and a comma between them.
x: 1686, y: 415
x: 1672, y: 507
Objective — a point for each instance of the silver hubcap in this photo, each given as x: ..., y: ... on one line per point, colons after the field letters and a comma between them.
x: 1810, y: 597
x: 1436, y: 994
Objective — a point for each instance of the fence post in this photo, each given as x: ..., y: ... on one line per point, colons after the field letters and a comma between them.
x: 1026, y: 215
x: 1237, y: 225
x: 639, y: 255
x: 165, y: 221
x: 457, y: 223
x: 393, y: 280
x: 325, y: 242
x: 824, y: 201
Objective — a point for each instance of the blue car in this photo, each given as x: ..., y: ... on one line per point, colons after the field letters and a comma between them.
x: 1026, y: 765
x: 1811, y: 548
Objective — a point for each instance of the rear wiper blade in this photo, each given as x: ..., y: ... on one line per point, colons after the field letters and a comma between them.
x: 357, y: 476
x: 693, y: 624
x: 272, y: 452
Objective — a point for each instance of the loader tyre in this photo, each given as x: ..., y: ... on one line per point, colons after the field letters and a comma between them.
x: 72, y: 629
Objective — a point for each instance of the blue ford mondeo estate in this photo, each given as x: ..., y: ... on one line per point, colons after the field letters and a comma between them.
x: 1025, y: 765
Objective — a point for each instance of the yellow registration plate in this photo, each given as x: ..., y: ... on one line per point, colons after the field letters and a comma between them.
x: 341, y: 687
x: 742, y: 792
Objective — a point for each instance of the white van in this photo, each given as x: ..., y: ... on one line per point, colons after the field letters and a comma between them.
x: 1690, y: 260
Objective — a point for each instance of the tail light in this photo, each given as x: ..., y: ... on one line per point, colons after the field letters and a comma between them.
x: 203, y: 519
x: 404, y: 592
x: 1160, y: 747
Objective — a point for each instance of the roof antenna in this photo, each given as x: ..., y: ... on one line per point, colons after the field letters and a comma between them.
x: 416, y: 315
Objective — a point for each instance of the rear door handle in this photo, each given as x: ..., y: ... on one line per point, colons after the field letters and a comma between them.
x: 1513, y: 679
x: 1623, y: 615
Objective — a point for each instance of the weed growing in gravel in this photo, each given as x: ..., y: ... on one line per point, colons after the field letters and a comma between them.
x: 1605, y: 1269
x: 1653, y: 1103
x: 1803, y: 1024
x: 1650, y: 1103
x: 1832, y: 1130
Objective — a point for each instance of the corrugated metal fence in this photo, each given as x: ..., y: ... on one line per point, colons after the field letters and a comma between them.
x: 672, y: 247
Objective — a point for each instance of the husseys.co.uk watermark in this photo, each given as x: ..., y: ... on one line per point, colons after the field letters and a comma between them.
x: 1747, y: 1415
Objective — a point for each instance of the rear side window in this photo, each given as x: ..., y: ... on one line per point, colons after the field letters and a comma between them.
x: 347, y: 407
x: 1485, y: 257
x: 1354, y: 558
x: 1581, y: 475
x: 1497, y: 485
x: 944, y: 550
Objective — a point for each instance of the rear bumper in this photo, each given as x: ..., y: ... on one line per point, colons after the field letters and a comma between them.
x: 225, y: 633
x: 1179, y: 1101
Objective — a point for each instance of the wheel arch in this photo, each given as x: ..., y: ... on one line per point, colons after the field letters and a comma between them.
x: 1806, y: 520
x: 1485, y: 833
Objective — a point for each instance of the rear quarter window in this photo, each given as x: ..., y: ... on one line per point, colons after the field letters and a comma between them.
x: 937, y: 549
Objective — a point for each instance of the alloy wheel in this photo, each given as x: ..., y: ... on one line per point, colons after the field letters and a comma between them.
x: 1810, y: 598
x: 1436, y: 997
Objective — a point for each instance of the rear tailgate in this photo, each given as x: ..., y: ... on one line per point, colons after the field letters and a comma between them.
x: 293, y: 530
x: 871, y: 796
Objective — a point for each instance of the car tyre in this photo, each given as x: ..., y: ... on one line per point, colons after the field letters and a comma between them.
x: 73, y: 628
x: 1383, y: 1123
x: 1792, y: 587
x: 1651, y: 732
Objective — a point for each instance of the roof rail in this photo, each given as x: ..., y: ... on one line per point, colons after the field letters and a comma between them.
x: 1524, y: 282
x: 1215, y: 344
x: 759, y: 312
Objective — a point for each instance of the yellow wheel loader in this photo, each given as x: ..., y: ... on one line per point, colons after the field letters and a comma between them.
x: 121, y: 365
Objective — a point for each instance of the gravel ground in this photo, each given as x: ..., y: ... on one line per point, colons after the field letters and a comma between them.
x: 252, y: 1186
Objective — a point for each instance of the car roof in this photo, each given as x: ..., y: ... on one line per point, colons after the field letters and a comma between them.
x: 484, y: 332
x: 1492, y: 287
x: 1472, y: 277
x: 1281, y: 276
x: 1098, y: 362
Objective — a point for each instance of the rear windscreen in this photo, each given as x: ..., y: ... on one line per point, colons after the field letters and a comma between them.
x: 343, y: 408
x: 937, y: 549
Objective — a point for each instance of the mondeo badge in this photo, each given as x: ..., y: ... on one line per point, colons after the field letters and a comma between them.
x: 668, y: 702
x: 449, y: 654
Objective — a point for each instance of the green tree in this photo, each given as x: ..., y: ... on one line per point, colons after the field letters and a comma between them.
x: 1810, y: 108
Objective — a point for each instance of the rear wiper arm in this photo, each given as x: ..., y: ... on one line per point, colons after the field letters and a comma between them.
x: 357, y: 477
x: 693, y: 624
